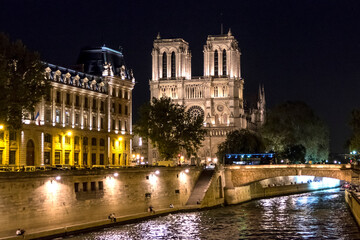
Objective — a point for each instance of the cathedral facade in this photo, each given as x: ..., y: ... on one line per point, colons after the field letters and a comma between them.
x: 217, y: 96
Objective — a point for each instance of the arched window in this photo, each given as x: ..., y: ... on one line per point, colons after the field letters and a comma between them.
x: 224, y: 63
x: 173, y: 64
x: 216, y: 63
x: 164, y: 65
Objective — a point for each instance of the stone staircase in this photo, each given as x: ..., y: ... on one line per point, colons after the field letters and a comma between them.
x: 201, y: 187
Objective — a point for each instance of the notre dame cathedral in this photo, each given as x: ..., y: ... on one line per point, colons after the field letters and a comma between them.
x: 217, y: 95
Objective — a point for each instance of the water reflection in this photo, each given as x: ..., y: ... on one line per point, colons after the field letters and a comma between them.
x: 316, y: 215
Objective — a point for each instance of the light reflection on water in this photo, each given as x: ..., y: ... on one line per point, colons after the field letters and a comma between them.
x: 316, y: 215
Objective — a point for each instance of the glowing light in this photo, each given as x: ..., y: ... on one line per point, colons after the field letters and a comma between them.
x: 69, y: 133
x: 120, y: 138
x: 58, y: 178
x: 1, y: 127
x: 157, y: 172
x: 133, y: 156
x: 209, y: 159
x: 215, y: 160
x: 140, y: 142
x: 187, y: 170
x: 116, y: 174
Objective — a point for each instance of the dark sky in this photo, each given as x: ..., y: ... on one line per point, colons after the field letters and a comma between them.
x: 300, y: 50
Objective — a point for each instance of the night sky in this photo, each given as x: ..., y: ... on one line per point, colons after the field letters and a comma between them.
x: 300, y: 50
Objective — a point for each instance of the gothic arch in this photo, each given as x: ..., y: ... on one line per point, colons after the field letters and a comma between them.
x: 164, y: 64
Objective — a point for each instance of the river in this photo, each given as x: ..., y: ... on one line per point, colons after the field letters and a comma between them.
x: 314, y: 215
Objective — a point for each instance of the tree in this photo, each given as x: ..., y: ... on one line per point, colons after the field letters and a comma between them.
x: 241, y: 141
x: 354, y: 141
x: 295, y: 153
x: 170, y: 128
x: 22, y: 82
x: 295, y: 123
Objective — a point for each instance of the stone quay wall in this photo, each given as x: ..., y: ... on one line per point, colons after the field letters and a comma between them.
x: 353, y: 201
x: 37, y: 201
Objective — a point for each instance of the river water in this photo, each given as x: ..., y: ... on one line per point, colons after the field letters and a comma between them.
x: 315, y: 215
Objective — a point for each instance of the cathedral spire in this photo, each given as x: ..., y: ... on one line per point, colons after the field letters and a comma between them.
x: 158, y: 36
x: 229, y: 32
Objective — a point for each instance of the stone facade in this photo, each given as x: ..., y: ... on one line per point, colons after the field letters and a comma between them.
x: 85, y: 121
x: 217, y: 95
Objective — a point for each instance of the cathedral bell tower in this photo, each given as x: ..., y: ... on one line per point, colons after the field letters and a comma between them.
x: 222, y: 56
x: 171, y: 59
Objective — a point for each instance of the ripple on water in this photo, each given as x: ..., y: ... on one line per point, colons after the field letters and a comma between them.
x: 316, y: 215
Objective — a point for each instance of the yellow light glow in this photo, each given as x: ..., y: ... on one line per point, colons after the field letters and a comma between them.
x: 69, y: 133
x: 120, y: 138
x: 1, y: 127
x: 133, y: 156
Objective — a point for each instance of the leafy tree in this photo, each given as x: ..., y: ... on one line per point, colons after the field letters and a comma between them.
x: 241, y: 141
x: 22, y: 81
x: 295, y: 153
x: 170, y: 128
x: 295, y: 123
x: 354, y: 141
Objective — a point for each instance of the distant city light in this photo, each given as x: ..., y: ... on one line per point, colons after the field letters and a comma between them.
x: 69, y: 133
x: 187, y: 170
x: 58, y: 178
x: 116, y: 174
x: 120, y: 138
x: 157, y: 172
x: 1, y: 127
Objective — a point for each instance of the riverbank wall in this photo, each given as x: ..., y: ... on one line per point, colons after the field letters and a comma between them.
x: 353, y: 201
x: 43, y: 201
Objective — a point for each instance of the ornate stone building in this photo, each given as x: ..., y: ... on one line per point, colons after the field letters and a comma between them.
x: 85, y: 122
x: 217, y: 95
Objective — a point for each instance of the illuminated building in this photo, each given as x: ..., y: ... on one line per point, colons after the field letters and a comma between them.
x: 86, y: 120
x: 217, y: 95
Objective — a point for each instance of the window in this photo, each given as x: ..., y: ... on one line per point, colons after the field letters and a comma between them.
x: 48, y: 96
x: 47, y: 115
x: 67, y: 157
x: 224, y: 63
x: 102, y: 142
x: 113, y: 124
x: 120, y: 107
x: 67, y: 118
x: 76, y: 187
x: 47, y: 158
x: 120, y: 93
x: 101, y: 159
x: 12, y: 157
x: 102, y: 123
x: 77, y: 119
x: 113, y: 158
x: 94, y: 122
x: 58, y: 116
x: 57, y: 157
x: 85, y: 188
x: 85, y: 121
x: 102, y: 106
x: 76, y: 140
x: 93, y: 142
x: 173, y: 64
x: 47, y: 138
x: 216, y: 63
x: 85, y: 160
x: 126, y: 95
x: 126, y: 110
x: 67, y: 139
x: 77, y: 100
x: 164, y: 65
x: 86, y: 102
x: 93, y: 158
x: 58, y: 97
x: 85, y: 141
x: 113, y: 108
x: 67, y: 98
x: 94, y: 105
x: 12, y: 136
x: 114, y: 92
x: 119, y: 126
x: 101, y: 185
x: 119, y: 158
x: 216, y: 91
x: 93, y: 186
x: 1, y: 156
x: 126, y: 126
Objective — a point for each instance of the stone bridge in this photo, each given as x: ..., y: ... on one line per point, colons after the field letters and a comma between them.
x: 236, y: 176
